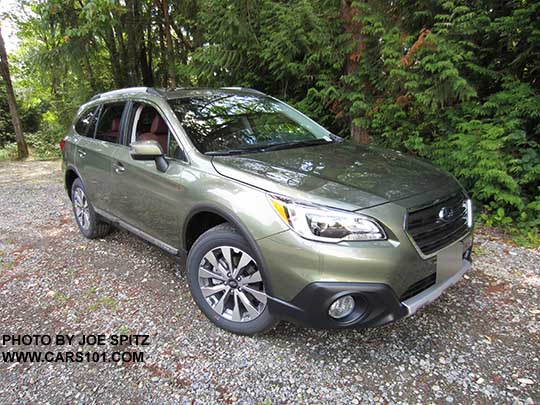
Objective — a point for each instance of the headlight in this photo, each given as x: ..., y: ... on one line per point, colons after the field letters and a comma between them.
x: 325, y: 224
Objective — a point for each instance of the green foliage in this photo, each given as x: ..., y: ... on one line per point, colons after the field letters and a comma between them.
x: 454, y: 97
x: 30, y: 115
x: 455, y: 82
x: 6, y: 127
x: 8, y: 151
x: 44, y: 145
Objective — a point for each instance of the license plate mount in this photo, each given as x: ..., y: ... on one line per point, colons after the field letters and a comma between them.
x: 449, y: 261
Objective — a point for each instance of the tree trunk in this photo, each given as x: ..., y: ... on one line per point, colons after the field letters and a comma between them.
x: 119, y: 30
x: 163, y: 57
x: 22, y: 147
x: 168, y: 38
x: 146, y: 68
x: 88, y: 67
x: 354, y: 28
x: 114, y: 58
x: 145, y: 60
x: 134, y: 32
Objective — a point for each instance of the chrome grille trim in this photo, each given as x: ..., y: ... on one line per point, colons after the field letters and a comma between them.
x: 429, y: 233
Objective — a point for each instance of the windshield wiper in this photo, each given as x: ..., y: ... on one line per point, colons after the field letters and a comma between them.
x: 277, y: 146
x: 229, y: 152
x: 295, y: 144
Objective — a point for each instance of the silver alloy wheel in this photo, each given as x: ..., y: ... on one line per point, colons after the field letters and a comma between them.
x: 82, y: 210
x: 231, y: 283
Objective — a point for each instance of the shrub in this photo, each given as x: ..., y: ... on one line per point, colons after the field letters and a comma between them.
x: 44, y: 145
x: 8, y: 151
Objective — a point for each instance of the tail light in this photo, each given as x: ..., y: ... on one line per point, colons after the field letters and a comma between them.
x: 62, y: 145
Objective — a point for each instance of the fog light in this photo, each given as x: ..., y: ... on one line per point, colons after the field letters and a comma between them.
x: 341, y: 307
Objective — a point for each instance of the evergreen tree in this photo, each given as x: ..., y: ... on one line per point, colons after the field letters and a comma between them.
x: 455, y: 82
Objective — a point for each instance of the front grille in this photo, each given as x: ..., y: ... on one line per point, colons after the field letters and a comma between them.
x: 432, y: 231
x: 418, y: 287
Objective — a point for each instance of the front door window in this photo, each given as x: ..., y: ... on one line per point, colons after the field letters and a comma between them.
x: 148, y: 124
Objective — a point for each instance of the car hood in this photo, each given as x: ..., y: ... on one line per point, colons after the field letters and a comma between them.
x: 340, y: 174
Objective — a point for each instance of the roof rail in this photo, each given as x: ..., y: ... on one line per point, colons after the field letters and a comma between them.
x: 154, y: 91
x: 95, y: 97
x: 244, y: 88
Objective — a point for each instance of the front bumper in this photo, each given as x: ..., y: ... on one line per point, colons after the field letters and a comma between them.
x: 376, y: 303
x: 429, y: 295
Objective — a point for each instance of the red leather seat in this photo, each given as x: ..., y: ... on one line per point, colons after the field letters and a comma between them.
x: 115, y: 125
x: 158, y: 132
x: 113, y: 134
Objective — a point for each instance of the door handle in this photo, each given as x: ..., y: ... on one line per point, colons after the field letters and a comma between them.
x: 118, y: 168
x: 81, y: 152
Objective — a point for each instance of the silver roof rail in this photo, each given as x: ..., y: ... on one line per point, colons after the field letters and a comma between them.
x: 154, y: 91
x: 244, y: 89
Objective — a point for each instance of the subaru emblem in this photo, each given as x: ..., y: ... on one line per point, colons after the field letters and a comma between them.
x: 446, y: 214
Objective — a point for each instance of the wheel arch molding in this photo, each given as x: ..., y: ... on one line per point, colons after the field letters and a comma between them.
x: 70, y: 168
x: 240, y: 227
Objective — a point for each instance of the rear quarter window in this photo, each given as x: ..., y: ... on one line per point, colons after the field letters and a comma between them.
x: 86, y: 123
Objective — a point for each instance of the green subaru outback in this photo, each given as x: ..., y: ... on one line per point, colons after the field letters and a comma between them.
x: 278, y: 218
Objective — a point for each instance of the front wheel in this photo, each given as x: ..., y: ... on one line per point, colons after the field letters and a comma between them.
x: 227, y: 283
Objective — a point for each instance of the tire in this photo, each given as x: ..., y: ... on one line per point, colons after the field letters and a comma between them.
x: 88, y: 221
x: 236, y: 304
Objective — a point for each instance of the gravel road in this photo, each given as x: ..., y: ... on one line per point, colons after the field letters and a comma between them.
x: 479, y: 343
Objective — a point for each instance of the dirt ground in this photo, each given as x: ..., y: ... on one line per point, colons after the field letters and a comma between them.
x: 479, y: 343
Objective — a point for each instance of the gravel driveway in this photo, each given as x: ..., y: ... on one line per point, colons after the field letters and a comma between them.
x: 479, y: 343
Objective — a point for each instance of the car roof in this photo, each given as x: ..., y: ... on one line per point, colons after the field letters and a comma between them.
x: 177, y: 92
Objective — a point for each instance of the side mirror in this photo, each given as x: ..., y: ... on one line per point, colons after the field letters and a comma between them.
x: 149, y: 150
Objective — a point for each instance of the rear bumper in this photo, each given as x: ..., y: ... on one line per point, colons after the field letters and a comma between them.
x: 376, y: 303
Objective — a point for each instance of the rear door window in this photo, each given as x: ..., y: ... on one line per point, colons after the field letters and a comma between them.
x: 86, y: 123
x: 109, y: 122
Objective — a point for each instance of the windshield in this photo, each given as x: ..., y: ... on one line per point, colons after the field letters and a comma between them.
x: 221, y: 122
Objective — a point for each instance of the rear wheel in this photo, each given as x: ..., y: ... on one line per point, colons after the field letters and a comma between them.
x: 226, y: 282
x: 85, y: 216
